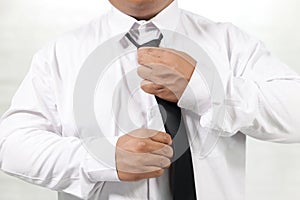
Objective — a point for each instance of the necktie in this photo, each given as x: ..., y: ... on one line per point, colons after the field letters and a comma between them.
x: 181, y: 171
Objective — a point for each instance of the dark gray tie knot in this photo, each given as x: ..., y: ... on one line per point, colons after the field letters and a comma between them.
x: 151, y: 43
x: 147, y: 35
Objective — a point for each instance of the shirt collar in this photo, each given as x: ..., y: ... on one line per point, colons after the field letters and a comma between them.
x: 167, y: 19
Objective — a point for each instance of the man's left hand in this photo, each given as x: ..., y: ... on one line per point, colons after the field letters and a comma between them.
x: 166, y: 72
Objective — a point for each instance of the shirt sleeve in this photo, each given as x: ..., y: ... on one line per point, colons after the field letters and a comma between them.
x: 196, y: 96
x: 261, y: 93
x: 32, y: 147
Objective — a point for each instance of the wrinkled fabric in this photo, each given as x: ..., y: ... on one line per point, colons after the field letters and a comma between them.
x: 38, y: 136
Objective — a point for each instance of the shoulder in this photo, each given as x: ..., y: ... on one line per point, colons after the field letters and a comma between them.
x: 85, y: 33
x: 76, y: 41
x: 204, y: 25
x: 67, y: 52
x: 222, y: 36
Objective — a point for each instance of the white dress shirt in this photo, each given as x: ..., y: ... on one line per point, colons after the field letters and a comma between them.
x: 39, y: 140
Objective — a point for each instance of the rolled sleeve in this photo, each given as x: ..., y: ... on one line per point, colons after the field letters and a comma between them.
x: 97, y: 170
x: 196, y: 97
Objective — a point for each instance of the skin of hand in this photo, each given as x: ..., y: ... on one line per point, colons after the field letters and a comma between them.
x: 143, y: 154
x: 166, y: 72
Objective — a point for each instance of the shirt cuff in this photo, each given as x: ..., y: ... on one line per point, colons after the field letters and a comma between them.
x: 97, y: 170
x: 196, y: 96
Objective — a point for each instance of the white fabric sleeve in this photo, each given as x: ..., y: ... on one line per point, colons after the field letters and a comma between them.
x: 262, y: 94
x: 32, y: 147
x: 196, y: 96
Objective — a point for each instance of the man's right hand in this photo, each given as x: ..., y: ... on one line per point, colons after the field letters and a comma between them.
x: 143, y: 154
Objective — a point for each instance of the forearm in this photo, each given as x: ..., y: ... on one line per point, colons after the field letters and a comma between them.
x: 44, y: 158
x: 265, y: 110
x: 260, y: 94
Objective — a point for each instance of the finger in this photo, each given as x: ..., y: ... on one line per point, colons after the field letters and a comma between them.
x: 150, y: 146
x: 142, y: 163
x: 141, y: 147
x: 187, y: 58
x: 152, y: 55
x: 144, y: 72
x: 157, y: 161
x: 143, y: 133
x: 166, y: 151
x: 153, y: 51
x: 174, y: 52
x: 158, y: 74
x: 168, y: 58
x: 150, y: 87
x: 184, y: 56
x: 162, y: 137
x: 159, y: 56
x: 159, y: 91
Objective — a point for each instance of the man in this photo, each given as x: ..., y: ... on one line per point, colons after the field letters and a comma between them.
x: 39, y: 140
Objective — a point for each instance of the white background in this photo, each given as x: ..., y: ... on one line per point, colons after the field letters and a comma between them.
x: 25, y: 26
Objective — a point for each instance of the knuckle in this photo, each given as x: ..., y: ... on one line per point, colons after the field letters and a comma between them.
x: 153, y: 132
x: 141, y: 146
x: 167, y: 138
x: 160, y: 134
x: 140, y: 71
x: 171, y: 151
x: 151, y: 85
x: 167, y: 151
x: 156, y: 86
x: 148, y: 87
x: 144, y: 86
x: 165, y: 162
